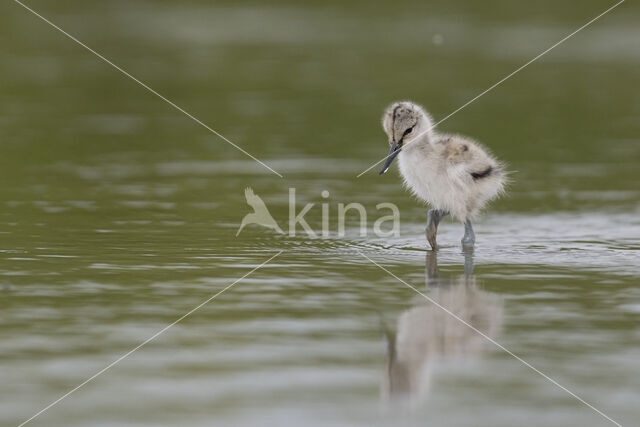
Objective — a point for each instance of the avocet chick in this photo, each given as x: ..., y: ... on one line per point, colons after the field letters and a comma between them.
x: 454, y: 174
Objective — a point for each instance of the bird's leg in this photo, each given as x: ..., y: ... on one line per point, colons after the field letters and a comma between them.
x: 469, y: 237
x: 468, y: 261
x: 433, y: 219
x: 431, y: 268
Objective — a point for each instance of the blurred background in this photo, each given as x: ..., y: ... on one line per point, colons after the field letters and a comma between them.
x: 118, y: 213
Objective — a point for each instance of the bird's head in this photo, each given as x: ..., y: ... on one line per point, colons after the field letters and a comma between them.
x: 403, y: 122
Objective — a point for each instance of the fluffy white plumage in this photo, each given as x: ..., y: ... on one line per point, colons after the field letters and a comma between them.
x: 451, y: 173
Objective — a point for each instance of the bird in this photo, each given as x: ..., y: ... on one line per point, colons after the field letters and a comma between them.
x: 454, y: 174
x: 426, y: 335
x: 260, y: 214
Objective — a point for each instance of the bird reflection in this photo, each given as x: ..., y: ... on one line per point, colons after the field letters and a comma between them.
x: 427, y: 335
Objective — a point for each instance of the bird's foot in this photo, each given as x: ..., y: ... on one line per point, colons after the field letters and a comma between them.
x: 469, y: 238
x: 431, y: 237
x: 432, y: 242
x: 468, y: 243
x: 433, y: 218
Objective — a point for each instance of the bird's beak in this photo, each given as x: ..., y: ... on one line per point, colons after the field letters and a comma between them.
x: 395, y: 150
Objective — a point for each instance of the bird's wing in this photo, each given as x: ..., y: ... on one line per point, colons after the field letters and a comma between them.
x: 481, y: 163
x: 454, y: 152
x: 248, y: 193
x: 468, y: 158
x: 253, y: 200
x: 456, y: 149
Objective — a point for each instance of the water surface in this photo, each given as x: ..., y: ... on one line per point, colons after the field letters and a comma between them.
x: 118, y: 214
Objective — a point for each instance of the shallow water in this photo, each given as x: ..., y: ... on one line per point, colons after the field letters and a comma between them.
x: 118, y: 215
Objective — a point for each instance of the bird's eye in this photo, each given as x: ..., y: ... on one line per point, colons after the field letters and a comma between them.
x: 408, y: 131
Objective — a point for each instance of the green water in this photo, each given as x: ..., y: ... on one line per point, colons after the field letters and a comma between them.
x: 118, y: 214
